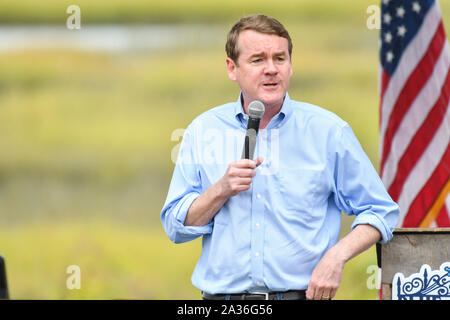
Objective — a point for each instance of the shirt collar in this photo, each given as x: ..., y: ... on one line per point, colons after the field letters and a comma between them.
x: 285, y: 112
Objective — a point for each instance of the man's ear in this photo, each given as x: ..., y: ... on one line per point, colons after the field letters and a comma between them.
x: 231, y: 69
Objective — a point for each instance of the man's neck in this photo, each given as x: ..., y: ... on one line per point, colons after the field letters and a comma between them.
x: 270, y: 112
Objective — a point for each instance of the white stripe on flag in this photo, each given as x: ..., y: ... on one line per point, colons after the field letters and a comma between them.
x: 416, y: 115
x: 447, y: 205
x: 411, y: 57
x: 424, y: 168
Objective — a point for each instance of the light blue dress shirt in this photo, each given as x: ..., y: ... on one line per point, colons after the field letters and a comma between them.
x: 270, y: 237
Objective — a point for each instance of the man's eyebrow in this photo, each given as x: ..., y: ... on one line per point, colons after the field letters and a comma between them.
x: 262, y: 54
x: 257, y: 55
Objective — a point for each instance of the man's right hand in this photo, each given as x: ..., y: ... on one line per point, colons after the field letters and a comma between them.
x: 238, y: 176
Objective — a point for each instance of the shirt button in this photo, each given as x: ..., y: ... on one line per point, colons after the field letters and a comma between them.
x: 258, y: 196
x: 257, y: 254
x: 257, y: 225
x: 258, y: 283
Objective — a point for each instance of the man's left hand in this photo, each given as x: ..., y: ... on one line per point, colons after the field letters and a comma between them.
x: 326, y: 277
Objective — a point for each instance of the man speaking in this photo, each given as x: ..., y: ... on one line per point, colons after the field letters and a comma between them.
x: 270, y: 226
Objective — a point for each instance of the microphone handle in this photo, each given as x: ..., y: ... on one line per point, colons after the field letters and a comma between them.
x: 253, y: 123
x: 250, y: 138
x: 246, y: 148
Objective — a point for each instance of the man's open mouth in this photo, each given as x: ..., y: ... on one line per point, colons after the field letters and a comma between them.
x: 271, y: 84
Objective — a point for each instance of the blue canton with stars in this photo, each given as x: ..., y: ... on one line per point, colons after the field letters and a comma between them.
x: 400, y: 22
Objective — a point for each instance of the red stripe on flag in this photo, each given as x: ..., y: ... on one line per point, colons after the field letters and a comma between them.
x: 429, y: 193
x: 420, y: 141
x: 384, y: 84
x: 442, y: 219
x: 412, y: 88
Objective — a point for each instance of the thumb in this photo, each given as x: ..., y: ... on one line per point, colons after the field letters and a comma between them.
x: 259, y: 160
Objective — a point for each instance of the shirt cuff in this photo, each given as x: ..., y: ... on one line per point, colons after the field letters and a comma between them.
x: 187, y: 233
x: 375, y: 221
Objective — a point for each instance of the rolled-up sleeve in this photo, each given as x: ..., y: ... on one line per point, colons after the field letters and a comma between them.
x: 358, y: 188
x: 185, y: 187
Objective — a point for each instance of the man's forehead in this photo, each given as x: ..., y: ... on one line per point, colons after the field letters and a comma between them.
x: 251, y: 42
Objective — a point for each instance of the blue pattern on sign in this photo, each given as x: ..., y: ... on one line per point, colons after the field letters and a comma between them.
x: 425, y: 285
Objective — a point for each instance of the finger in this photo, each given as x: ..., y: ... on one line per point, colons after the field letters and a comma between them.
x: 326, y: 294
x: 333, y: 293
x: 243, y: 173
x: 310, y: 293
x: 246, y: 173
x: 242, y: 187
x: 248, y: 163
x: 244, y: 181
x: 244, y: 163
x: 318, y: 294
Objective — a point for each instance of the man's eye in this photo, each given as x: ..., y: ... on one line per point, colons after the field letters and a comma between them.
x: 280, y: 59
x: 256, y: 60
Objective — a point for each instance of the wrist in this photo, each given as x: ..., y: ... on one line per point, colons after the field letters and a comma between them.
x: 221, y: 192
x: 339, y: 253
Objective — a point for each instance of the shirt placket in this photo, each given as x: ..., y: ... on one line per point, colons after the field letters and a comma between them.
x: 257, y: 228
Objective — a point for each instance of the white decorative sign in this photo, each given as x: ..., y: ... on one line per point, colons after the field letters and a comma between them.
x: 426, y: 285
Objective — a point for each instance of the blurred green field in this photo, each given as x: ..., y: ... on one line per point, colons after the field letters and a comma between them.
x: 85, y: 160
x: 182, y: 11
x: 118, y: 262
x: 176, y: 11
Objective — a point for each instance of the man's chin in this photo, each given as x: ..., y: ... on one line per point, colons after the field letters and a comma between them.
x: 272, y: 101
x: 268, y: 98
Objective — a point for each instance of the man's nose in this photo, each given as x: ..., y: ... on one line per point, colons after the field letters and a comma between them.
x: 271, y: 68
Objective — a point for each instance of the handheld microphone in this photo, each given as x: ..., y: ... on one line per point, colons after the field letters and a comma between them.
x: 255, y: 112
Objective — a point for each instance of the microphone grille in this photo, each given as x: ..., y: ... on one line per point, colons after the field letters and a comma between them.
x: 256, y: 109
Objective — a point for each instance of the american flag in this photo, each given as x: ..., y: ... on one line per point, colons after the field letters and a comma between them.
x: 414, y: 111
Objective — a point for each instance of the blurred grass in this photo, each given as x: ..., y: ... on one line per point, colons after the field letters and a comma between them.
x: 188, y: 11
x: 118, y: 262
x: 85, y: 148
x: 173, y: 11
